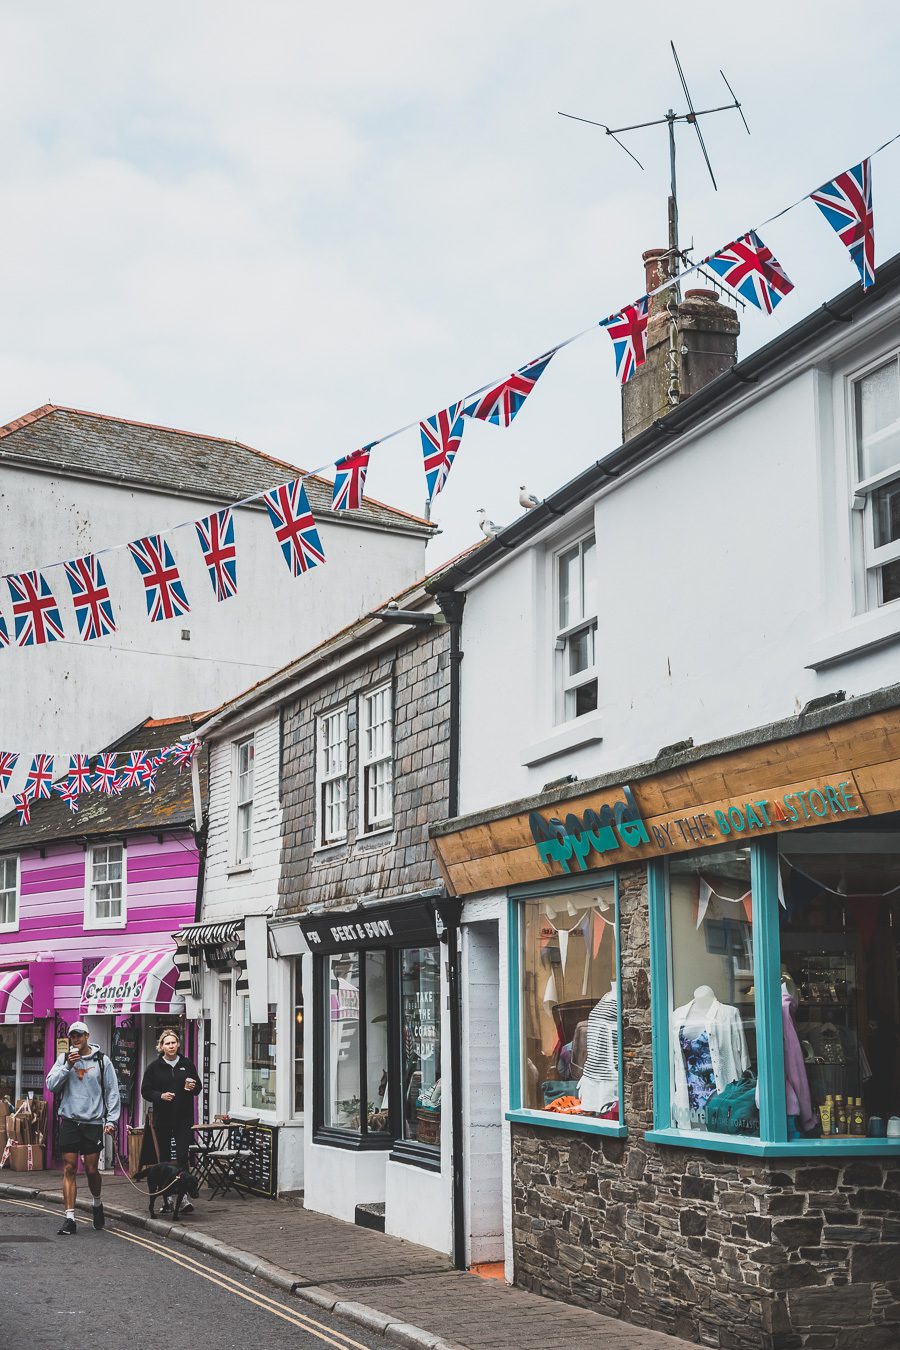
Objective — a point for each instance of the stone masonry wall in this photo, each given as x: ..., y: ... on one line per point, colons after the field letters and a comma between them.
x: 390, y: 863
x: 720, y: 1249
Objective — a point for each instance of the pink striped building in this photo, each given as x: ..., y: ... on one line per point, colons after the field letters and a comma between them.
x: 89, y: 904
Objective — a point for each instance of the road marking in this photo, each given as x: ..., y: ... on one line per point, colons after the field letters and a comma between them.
x: 189, y: 1263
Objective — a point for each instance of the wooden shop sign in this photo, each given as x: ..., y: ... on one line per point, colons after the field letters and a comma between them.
x: 820, y: 777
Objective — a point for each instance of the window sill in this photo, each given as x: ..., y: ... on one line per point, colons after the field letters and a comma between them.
x: 570, y: 736
x: 330, y: 847
x: 863, y: 634
x: 410, y: 1153
x: 583, y: 1124
x: 239, y: 869
x: 378, y: 834
x: 798, y: 1148
x: 9, y: 927
x: 105, y: 925
x: 353, y: 1143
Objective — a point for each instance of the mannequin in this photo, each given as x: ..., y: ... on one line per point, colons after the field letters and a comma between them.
x: 596, y: 1045
x: 708, y: 1051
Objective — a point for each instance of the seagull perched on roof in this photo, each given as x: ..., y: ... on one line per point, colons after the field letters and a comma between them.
x: 486, y: 525
x: 527, y: 499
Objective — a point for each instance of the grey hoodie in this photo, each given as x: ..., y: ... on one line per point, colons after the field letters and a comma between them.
x: 81, y: 1094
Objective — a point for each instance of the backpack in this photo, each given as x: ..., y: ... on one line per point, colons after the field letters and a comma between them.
x: 734, y: 1109
x: 101, y: 1063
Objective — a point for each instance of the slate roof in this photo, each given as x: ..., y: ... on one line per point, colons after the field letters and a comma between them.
x: 94, y: 445
x: 170, y: 806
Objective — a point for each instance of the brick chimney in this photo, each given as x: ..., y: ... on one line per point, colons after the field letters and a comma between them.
x: 702, y: 346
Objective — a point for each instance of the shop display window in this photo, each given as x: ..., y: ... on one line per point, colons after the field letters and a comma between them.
x: 21, y: 1061
x: 776, y: 1005
x: 259, y: 1065
x: 840, y: 955
x: 712, y: 1023
x: 298, y: 1039
x: 356, y: 1043
x: 9, y: 1050
x: 420, y: 1042
x: 569, y: 1019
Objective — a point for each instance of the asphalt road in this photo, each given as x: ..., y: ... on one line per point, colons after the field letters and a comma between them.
x: 120, y: 1289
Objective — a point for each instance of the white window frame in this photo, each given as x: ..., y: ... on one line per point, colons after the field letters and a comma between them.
x: 870, y: 560
x: 91, y: 919
x: 565, y: 686
x: 243, y: 802
x: 266, y: 1113
x: 332, y: 772
x: 12, y: 925
x: 369, y: 761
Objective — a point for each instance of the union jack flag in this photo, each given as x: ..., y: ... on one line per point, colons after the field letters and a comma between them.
x: 80, y: 772
x: 350, y: 479
x: 23, y: 806
x: 40, y: 778
x: 8, y: 761
x: 441, y: 437
x: 183, y: 754
x: 34, y: 609
x: 162, y: 585
x: 628, y: 331
x: 4, y: 633
x: 846, y: 203
x: 751, y: 269
x: 105, y: 776
x: 216, y: 535
x: 500, y: 404
x: 93, y: 606
x: 136, y: 770
x: 294, y: 526
x: 69, y: 793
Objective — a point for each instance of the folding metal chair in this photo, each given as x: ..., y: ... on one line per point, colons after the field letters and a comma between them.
x: 228, y: 1166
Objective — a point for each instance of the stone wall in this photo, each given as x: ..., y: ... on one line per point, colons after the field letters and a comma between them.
x: 722, y: 1250
x: 392, y: 862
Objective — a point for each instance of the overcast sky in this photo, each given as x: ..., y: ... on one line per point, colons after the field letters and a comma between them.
x: 304, y: 225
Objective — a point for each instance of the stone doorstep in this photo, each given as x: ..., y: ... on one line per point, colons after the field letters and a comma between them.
x: 621, y: 1335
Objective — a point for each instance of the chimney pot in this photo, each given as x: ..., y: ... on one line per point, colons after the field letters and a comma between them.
x: 702, y: 293
x: 656, y: 267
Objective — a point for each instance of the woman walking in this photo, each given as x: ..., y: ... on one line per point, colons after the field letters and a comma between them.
x: 170, y: 1084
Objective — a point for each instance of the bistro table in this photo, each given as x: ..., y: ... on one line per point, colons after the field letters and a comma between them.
x: 211, y: 1138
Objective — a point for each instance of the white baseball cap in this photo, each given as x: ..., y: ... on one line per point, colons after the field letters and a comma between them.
x: 80, y: 1027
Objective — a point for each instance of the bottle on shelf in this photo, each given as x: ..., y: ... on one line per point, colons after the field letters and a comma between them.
x: 858, y: 1121
x: 840, y: 1115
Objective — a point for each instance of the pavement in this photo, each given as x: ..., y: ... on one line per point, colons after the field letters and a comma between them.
x: 405, y: 1294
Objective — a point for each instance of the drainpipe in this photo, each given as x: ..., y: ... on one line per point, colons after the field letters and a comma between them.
x: 452, y: 604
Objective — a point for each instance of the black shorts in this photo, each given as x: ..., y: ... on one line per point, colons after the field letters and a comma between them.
x: 78, y: 1138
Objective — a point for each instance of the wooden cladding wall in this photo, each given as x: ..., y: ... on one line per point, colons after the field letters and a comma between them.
x: 863, y: 754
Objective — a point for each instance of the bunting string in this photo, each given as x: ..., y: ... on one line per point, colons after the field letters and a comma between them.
x: 746, y: 266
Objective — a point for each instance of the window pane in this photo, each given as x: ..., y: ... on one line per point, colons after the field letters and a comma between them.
x: 569, y: 565
x: 7, y: 906
x: 420, y: 1043
x: 586, y: 698
x: 259, y: 1060
x: 839, y: 991
x: 712, y: 1028
x: 33, y: 1060
x: 342, y: 1041
x: 8, y: 1042
x: 878, y: 420
x: 890, y: 582
x: 377, y: 1043
x: 298, y: 1039
x: 570, y: 1011
x: 379, y: 792
x: 589, y: 582
x: 886, y: 514
x: 8, y: 874
x: 581, y: 651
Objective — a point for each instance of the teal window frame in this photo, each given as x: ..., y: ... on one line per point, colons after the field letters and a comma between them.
x: 516, y: 899
x: 773, y: 1141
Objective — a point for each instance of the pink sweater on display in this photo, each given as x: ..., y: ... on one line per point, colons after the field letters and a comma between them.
x: 796, y: 1083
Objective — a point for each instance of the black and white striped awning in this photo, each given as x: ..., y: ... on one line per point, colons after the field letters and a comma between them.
x: 219, y: 944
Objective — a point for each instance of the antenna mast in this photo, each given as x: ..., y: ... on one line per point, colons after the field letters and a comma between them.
x: 669, y: 121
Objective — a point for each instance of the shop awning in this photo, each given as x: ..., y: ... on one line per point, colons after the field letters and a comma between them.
x: 133, y: 982
x: 218, y: 942
x: 16, y: 1002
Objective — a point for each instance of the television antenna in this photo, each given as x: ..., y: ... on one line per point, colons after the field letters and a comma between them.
x: 691, y: 117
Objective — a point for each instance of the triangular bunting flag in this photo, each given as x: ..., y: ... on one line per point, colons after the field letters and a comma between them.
x: 8, y: 761
x: 40, y: 778
x: 350, y: 479
x: 105, y: 775
x: 134, y: 774
x: 294, y: 526
x: 69, y: 793
x: 846, y: 203
x: 34, y: 609
x: 4, y: 633
x: 628, y: 329
x: 163, y: 590
x: 91, y: 598
x: 441, y: 436
x: 750, y: 269
x: 80, y: 772
x: 500, y: 404
x: 216, y: 535
x: 23, y: 806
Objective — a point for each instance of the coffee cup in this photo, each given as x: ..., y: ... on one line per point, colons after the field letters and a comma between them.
x: 876, y: 1127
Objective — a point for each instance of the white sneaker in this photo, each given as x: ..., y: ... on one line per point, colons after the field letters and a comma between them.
x: 187, y: 1207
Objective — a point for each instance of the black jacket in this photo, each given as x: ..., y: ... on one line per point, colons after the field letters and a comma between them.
x: 159, y: 1078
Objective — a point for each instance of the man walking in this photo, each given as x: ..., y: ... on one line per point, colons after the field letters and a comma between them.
x: 88, y: 1109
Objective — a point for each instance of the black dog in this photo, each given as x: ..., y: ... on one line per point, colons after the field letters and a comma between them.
x: 173, y: 1182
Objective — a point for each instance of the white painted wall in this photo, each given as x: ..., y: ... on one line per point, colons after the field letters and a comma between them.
x: 726, y: 575
x: 73, y: 696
